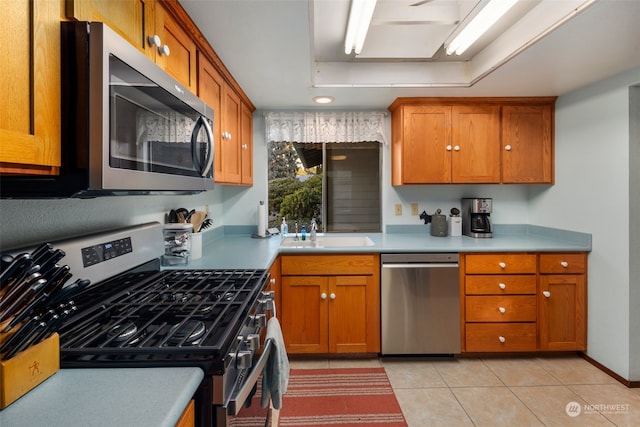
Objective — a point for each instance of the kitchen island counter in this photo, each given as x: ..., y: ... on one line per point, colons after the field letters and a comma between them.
x: 239, y: 250
x: 138, y: 397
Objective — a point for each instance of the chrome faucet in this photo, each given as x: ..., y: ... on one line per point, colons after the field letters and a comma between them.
x: 296, y: 227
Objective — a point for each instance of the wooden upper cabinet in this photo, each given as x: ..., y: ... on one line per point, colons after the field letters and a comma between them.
x: 230, y: 147
x: 30, y: 89
x: 425, y: 135
x: 180, y: 58
x: 527, y: 140
x: 472, y: 140
x: 476, y: 144
x: 133, y: 20
x: 210, y: 90
x: 246, y: 143
x: 143, y: 23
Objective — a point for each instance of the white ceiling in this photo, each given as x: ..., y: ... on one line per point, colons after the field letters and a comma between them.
x: 285, y: 52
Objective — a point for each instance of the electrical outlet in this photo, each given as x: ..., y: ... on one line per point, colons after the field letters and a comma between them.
x: 398, y: 209
x: 414, y: 209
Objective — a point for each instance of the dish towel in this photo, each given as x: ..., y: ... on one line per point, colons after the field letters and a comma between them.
x: 275, y: 376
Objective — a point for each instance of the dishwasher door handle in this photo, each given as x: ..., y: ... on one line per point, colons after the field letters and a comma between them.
x: 423, y: 265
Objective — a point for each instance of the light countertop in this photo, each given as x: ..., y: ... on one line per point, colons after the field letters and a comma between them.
x: 240, y: 250
x: 141, y: 397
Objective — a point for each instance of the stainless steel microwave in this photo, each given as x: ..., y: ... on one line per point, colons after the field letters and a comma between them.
x: 127, y: 126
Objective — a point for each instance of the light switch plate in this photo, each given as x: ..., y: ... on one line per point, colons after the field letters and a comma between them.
x: 414, y: 209
x: 398, y: 209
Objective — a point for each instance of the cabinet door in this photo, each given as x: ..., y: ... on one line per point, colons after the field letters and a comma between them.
x: 132, y: 19
x: 210, y: 90
x: 305, y: 315
x: 230, y: 145
x: 476, y: 144
x: 527, y: 142
x: 352, y: 315
x: 246, y: 135
x: 181, y: 60
x: 562, y: 318
x: 30, y: 89
x: 426, y: 136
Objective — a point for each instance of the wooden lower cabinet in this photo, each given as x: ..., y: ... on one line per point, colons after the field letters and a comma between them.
x: 336, y: 312
x: 540, y: 307
x: 188, y: 417
x: 562, y: 300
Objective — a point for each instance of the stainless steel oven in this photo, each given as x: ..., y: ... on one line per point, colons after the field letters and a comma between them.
x: 135, y: 314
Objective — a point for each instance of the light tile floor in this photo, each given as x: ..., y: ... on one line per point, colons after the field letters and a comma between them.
x: 557, y: 391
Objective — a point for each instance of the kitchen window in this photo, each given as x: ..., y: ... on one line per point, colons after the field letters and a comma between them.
x: 333, y: 175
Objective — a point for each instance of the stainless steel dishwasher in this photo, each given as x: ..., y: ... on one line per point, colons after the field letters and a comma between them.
x: 420, y: 303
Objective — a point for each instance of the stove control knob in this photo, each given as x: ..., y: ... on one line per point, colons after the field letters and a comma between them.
x: 259, y: 320
x: 244, y: 359
x: 253, y: 342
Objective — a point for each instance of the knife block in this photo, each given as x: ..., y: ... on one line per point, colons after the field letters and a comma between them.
x: 27, y: 369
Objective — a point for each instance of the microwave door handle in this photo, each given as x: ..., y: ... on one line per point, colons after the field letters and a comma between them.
x: 206, y: 166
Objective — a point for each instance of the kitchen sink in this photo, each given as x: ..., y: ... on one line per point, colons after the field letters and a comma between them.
x: 328, y: 242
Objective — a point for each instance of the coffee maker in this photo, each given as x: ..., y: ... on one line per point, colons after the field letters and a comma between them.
x: 476, y: 217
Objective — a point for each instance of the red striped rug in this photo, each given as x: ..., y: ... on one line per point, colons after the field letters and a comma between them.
x: 333, y: 397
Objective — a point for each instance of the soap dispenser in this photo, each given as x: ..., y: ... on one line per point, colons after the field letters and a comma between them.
x: 284, y: 228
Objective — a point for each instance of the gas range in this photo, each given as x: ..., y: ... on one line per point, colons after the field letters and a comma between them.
x: 182, y: 317
x: 136, y: 314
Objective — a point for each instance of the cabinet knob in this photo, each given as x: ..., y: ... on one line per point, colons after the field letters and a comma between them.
x: 272, y: 281
x: 565, y: 264
x: 502, y: 339
x: 164, y: 50
x: 457, y: 148
x: 323, y: 295
x: 449, y: 147
x: 154, y: 40
x: 507, y: 147
x: 503, y: 265
x: 502, y: 286
x: 332, y: 296
x: 244, y: 146
x: 502, y: 310
x: 546, y: 294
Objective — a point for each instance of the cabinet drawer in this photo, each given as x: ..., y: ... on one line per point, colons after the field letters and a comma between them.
x: 480, y: 337
x: 563, y: 263
x: 310, y: 265
x: 500, y: 263
x: 500, y: 285
x: 500, y: 308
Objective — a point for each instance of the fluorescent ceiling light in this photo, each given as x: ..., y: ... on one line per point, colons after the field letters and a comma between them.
x: 358, y: 24
x: 480, y: 23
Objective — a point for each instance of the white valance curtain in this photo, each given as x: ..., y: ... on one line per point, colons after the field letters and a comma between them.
x: 318, y: 127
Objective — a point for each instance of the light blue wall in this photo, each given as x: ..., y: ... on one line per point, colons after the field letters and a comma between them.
x: 592, y: 194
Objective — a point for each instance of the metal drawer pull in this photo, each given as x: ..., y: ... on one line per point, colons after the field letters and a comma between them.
x: 502, y: 286
x: 502, y: 310
x: 547, y: 294
x: 503, y: 265
x: 565, y: 264
x: 502, y: 339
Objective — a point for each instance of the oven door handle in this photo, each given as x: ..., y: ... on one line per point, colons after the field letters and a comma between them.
x: 238, y: 399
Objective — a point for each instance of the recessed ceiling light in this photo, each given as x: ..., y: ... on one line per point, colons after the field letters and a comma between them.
x: 323, y: 99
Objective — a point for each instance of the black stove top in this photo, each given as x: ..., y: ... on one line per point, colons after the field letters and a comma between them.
x: 162, y: 315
